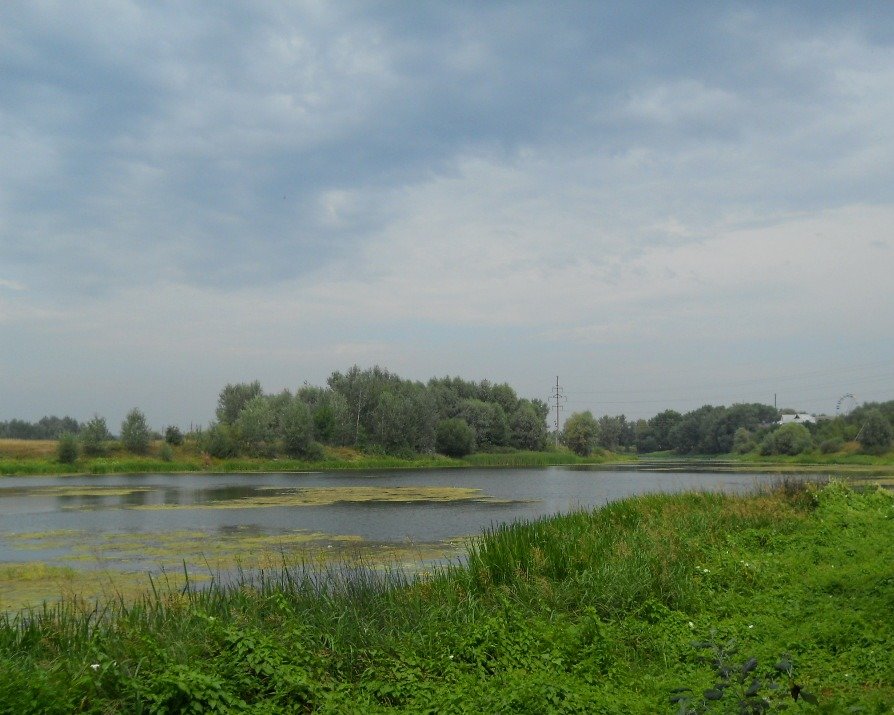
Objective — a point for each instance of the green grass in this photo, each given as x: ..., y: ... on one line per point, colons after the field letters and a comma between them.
x: 339, y: 459
x: 593, y: 612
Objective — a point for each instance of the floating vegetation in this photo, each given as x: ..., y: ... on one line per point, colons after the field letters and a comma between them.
x: 325, y: 496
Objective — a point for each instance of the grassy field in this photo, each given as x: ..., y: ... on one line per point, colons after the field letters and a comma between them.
x: 31, y: 457
x: 705, y: 599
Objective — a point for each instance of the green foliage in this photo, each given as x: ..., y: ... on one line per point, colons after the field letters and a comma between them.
x: 166, y: 453
x: 743, y: 441
x: 256, y: 427
x: 876, y: 434
x: 791, y: 438
x: 173, y: 435
x: 454, y: 437
x: 135, y: 433
x: 219, y: 441
x: 580, y: 433
x: 94, y: 437
x: 67, y: 449
x: 233, y: 398
x: 297, y: 429
x: 527, y: 428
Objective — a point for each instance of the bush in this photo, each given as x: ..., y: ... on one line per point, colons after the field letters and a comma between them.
x: 67, y: 449
x: 166, y: 453
x: 219, y: 442
x: 454, y: 437
x: 830, y: 446
x: 789, y: 439
x: 743, y: 441
x: 173, y: 435
x: 135, y: 432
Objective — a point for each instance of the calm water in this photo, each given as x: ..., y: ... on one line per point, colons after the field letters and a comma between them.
x: 69, y: 520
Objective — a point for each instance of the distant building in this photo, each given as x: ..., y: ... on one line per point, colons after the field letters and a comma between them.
x: 801, y: 417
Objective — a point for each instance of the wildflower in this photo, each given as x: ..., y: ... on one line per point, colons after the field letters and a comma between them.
x: 691, y: 624
x: 95, y: 666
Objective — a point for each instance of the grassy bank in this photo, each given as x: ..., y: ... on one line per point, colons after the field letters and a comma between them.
x: 32, y: 457
x: 607, y: 612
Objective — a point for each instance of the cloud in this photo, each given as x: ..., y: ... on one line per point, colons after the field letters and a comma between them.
x: 216, y: 183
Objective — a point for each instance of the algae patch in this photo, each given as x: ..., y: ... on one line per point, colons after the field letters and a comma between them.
x: 326, y: 496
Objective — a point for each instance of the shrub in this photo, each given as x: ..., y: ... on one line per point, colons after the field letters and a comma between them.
x: 454, y: 437
x: 829, y: 446
x: 166, y: 453
x: 219, y: 441
x: 297, y: 429
x: 135, y: 432
x: 67, y: 449
x: 173, y: 435
x: 743, y: 441
x: 789, y: 439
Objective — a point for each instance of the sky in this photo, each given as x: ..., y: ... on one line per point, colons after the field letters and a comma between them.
x: 662, y: 204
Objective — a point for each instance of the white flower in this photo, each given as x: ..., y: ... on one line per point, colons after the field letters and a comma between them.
x: 751, y: 626
x: 95, y: 666
x: 691, y: 624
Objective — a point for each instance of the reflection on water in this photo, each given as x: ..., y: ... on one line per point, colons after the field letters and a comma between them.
x: 123, y: 520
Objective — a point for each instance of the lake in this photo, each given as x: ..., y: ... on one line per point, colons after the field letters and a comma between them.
x: 217, y: 523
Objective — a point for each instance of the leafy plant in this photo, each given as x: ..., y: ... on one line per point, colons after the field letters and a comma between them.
x: 67, y: 450
x: 741, y: 687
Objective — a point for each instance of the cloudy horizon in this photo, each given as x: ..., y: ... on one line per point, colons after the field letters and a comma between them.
x: 665, y: 206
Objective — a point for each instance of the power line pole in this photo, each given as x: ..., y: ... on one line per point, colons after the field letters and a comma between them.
x: 559, y: 398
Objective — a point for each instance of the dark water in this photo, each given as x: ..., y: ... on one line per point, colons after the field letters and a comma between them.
x: 36, y: 523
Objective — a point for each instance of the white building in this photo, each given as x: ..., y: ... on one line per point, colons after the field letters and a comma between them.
x: 800, y: 417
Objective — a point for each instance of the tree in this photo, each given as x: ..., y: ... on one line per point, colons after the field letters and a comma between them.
x: 454, y: 437
x: 527, y: 429
x: 233, y: 398
x: 297, y: 429
x: 661, y: 425
x: 135, y: 433
x: 581, y: 431
x: 876, y: 434
x: 67, y: 448
x: 94, y: 436
x: 256, y: 426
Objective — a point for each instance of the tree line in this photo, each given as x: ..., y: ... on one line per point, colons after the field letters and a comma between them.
x: 740, y: 428
x: 375, y: 410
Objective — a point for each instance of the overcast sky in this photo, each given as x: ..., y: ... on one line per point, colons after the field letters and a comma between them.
x: 664, y: 204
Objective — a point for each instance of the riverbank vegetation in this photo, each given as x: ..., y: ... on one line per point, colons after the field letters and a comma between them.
x: 625, y: 609
x: 390, y: 422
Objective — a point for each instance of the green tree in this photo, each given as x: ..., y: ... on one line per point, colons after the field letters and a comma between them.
x: 94, y: 436
x: 792, y: 438
x: 527, y: 429
x: 661, y: 425
x: 580, y: 433
x: 219, y: 441
x: 233, y: 398
x: 297, y: 429
x: 876, y: 434
x: 135, y: 432
x: 67, y: 448
x: 454, y: 437
x: 743, y: 441
x: 255, y: 427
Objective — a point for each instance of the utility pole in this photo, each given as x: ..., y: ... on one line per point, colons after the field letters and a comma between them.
x: 559, y: 398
